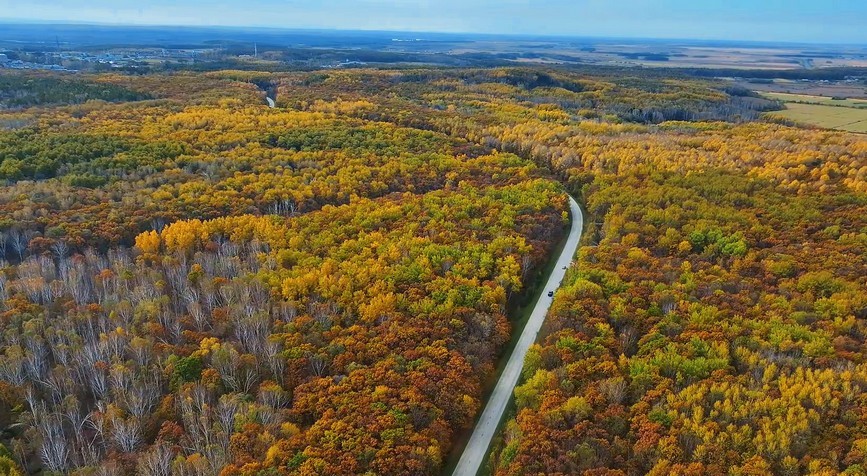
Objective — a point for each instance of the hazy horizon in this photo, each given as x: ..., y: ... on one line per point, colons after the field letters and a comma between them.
x: 795, y: 21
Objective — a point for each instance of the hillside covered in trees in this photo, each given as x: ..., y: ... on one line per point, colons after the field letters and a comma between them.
x: 193, y: 283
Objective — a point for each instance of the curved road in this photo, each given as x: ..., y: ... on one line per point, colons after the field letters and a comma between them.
x: 477, y: 448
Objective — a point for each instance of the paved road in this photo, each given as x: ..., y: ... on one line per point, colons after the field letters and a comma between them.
x: 271, y: 103
x: 476, y: 450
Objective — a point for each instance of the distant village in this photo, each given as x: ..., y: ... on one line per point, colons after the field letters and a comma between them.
x: 76, y: 60
x: 130, y: 59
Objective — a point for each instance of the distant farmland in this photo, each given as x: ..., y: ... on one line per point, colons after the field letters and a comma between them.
x: 827, y: 113
x: 821, y: 100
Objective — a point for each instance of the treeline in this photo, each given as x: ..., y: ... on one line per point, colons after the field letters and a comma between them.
x: 818, y: 74
x: 608, y: 97
x: 18, y: 90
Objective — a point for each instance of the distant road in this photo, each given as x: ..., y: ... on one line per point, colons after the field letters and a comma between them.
x: 477, y: 448
x: 271, y: 103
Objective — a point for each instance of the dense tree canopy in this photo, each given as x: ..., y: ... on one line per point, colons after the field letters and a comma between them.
x: 207, y: 285
x: 33, y: 89
x: 193, y: 283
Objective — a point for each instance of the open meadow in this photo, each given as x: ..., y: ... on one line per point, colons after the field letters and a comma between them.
x: 820, y: 100
x: 844, y: 114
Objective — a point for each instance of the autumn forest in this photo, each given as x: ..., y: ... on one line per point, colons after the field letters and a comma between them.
x: 194, y: 283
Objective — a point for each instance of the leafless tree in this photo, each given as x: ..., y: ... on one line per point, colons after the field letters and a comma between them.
x: 99, y: 423
x: 156, y: 462
x: 141, y: 351
x: 31, y: 286
x: 256, y: 296
x: 47, y: 268
x: 171, y: 323
x: 195, y: 412
x: 176, y: 274
x: 276, y: 361
x: 318, y: 364
x: 227, y: 408
x: 285, y: 207
x: 95, y: 260
x: 60, y: 249
x: 614, y: 390
x: 61, y: 347
x: 248, y: 374
x: 52, y: 291
x: 141, y: 398
x: 200, y: 319
x: 322, y: 313
x: 209, y: 295
x: 285, y: 312
x: 36, y: 357
x: 12, y: 365
x: 19, y: 241
x: 126, y: 433
x: 119, y: 259
x: 124, y: 311
x: 238, y: 372
x: 228, y: 265
x: 77, y: 285
x: 115, y: 343
x: 143, y: 291
x: 121, y: 378
x: 227, y: 292
x: 526, y: 267
x: 4, y: 293
x: 274, y: 397
x: 54, y: 450
x: 87, y: 452
x: 267, y: 416
x: 109, y: 468
x: 59, y: 385
x: 255, y: 247
x: 22, y: 450
x: 252, y: 331
x: 95, y: 379
x: 106, y: 286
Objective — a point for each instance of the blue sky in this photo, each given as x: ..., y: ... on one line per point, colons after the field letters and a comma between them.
x: 826, y: 21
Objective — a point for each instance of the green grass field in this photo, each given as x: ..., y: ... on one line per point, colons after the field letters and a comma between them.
x: 826, y: 117
x: 820, y: 100
x: 821, y: 111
